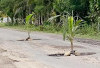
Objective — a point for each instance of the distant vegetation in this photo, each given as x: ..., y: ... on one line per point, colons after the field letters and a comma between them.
x: 86, y: 10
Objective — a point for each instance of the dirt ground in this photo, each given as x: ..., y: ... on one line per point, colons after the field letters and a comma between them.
x: 44, y: 49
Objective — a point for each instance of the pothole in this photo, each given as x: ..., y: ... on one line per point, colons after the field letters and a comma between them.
x: 57, y: 55
x: 79, y: 54
x: 28, y: 40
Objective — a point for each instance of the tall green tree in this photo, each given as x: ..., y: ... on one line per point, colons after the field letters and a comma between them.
x: 7, y: 7
x: 80, y: 7
x: 94, y: 13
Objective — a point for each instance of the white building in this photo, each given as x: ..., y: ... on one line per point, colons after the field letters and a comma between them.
x: 5, y: 20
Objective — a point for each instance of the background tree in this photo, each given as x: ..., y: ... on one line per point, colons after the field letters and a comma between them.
x: 94, y: 12
x: 7, y: 7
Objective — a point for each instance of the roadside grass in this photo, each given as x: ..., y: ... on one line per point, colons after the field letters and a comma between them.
x: 46, y: 29
x: 2, y: 24
x: 50, y: 29
x: 87, y: 36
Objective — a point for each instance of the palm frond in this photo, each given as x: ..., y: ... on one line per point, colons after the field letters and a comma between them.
x: 54, y: 17
x: 77, y: 22
x: 64, y: 27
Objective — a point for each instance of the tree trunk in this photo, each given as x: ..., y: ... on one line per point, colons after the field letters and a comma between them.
x: 58, y: 18
x: 12, y: 20
x: 7, y: 19
x: 71, y: 45
x: 28, y: 34
x: 28, y: 38
x: 40, y: 19
x: 98, y: 28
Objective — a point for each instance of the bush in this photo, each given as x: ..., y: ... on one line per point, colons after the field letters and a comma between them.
x: 87, y: 29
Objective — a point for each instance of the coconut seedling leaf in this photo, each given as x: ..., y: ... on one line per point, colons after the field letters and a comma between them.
x: 70, y: 24
x: 76, y: 25
x: 77, y: 22
x: 28, y: 18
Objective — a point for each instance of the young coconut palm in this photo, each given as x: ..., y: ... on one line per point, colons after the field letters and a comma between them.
x: 71, y: 29
x: 28, y: 25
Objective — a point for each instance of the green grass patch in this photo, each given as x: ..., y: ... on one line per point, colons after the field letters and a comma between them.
x: 51, y: 29
x: 2, y: 24
x: 87, y: 36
